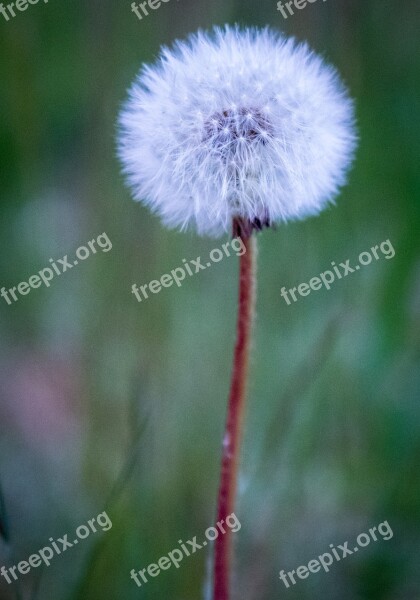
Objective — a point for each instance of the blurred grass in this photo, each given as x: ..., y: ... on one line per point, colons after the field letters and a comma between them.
x: 332, y: 439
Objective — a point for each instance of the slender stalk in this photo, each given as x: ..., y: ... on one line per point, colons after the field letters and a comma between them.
x: 234, y: 422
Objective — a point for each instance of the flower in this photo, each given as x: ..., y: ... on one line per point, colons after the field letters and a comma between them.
x: 237, y: 123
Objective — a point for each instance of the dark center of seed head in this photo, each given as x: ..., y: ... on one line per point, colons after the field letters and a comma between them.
x: 248, y: 124
x: 224, y: 130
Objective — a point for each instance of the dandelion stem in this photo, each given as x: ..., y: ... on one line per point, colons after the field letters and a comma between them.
x: 234, y: 422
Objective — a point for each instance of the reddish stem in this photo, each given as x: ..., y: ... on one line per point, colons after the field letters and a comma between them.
x: 234, y: 422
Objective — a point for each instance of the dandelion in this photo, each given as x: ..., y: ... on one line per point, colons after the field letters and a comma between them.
x: 236, y: 130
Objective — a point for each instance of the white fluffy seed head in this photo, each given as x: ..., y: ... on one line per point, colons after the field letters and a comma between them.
x: 236, y: 123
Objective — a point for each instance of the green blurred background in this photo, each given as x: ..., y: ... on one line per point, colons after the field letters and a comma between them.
x: 111, y: 404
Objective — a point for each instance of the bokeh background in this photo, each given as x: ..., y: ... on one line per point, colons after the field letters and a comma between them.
x: 111, y: 404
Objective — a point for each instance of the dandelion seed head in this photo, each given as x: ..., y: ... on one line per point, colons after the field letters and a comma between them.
x: 236, y: 124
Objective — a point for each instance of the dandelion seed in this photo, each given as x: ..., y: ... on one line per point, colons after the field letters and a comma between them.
x: 292, y: 141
